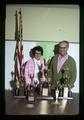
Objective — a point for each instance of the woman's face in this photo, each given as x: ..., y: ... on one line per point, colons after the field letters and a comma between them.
x: 37, y: 54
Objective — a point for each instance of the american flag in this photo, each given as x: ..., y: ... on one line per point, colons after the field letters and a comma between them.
x: 18, y: 56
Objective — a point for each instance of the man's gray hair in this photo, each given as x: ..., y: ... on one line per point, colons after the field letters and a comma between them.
x: 64, y: 41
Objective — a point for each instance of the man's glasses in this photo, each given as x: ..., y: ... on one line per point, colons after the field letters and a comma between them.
x: 62, y: 47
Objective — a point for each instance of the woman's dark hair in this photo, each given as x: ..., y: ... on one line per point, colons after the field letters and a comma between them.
x: 38, y: 48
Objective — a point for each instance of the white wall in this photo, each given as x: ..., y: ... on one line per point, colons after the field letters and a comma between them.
x: 9, y: 62
x: 45, y: 22
x: 74, y: 52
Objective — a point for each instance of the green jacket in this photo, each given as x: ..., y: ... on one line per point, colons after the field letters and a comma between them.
x: 69, y: 64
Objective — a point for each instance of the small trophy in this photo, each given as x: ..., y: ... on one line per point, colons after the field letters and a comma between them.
x: 69, y: 93
x: 12, y: 80
x: 17, y: 88
x: 65, y: 80
x: 56, y: 89
x: 45, y: 89
x: 30, y: 95
x: 30, y: 92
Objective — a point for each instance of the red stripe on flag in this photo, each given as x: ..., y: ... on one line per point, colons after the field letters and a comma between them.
x: 20, y: 55
x: 17, y: 73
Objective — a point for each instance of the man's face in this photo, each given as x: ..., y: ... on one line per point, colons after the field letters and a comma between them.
x: 63, y: 47
x: 37, y: 54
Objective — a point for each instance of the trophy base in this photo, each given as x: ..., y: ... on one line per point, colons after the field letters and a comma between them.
x: 57, y: 102
x: 19, y: 97
x: 31, y: 99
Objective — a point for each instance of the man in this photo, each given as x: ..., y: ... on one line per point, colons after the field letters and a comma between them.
x: 63, y: 68
x: 34, y: 69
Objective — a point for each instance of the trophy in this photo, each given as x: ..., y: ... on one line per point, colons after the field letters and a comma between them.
x: 12, y: 80
x: 30, y: 95
x: 15, y: 84
x: 66, y: 76
x: 45, y: 89
x: 55, y: 94
x: 30, y: 92
x: 17, y: 88
x: 64, y: 81
x: 43, y: 84
x: 57, y: 89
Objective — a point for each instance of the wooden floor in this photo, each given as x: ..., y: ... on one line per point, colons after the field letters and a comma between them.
x: 20, y: 106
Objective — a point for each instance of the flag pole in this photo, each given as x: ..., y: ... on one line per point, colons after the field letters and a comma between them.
x: 21, y: 45
x: 18, y: 55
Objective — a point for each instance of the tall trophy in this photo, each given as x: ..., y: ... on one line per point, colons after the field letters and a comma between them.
x: 17, y: 87
x: 65, y: 81
x: 30, y: 93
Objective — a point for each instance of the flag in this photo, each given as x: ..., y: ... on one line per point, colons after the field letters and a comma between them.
x: 18, y: 56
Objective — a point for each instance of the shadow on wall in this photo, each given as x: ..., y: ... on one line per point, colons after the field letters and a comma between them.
x: 56, y: 51
x: 31, y: 53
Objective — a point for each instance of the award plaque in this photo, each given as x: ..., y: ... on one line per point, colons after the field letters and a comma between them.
x: 45, y: 92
